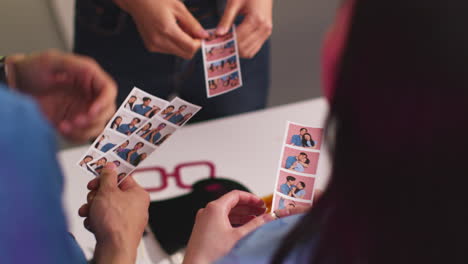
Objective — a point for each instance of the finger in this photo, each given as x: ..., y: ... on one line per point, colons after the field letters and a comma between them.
x: 108, y: 177
x: 250, y: 226
x: 93, y: 184
x: 186, y: 44
x: 238, y: 220
x: 90, y: 196
x: 230, y: 13
x: 233, y: 198
x: 190, y: 25
x: 84, y: 210
x: 80, y: 134
x: 247, y: 210
x: 292, y: 211
x: 128, y: 183
x: 105, y: 89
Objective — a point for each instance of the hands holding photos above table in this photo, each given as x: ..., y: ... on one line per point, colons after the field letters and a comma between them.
x: 167, y: 26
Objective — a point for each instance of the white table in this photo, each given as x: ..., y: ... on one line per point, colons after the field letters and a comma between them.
x: 244, y: 147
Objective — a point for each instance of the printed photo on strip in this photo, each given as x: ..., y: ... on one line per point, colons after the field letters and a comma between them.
x: 126, y: 122
x: 220, y: 51
x: 304, y: 136
x: 156, y: 131
x: 179, y: 111
x: 144, y: 103
x: 134, y: 150
x: 281, y: 201
x: 299, y: 160
x: 295, y: 185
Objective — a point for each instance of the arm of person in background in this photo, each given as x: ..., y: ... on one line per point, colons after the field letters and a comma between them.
x: 256, y: 27
x: 166, y: 26
x: 73, y: 92
x: 117, y: 215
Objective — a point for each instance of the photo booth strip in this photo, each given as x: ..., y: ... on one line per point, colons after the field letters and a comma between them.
x: 184, y: 111
x: 222, y: 71
x: 301, y: 187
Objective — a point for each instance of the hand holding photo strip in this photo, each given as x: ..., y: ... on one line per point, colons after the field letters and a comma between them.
x: 221, y: 62
x: 296, y: 178
x: 129, y: 150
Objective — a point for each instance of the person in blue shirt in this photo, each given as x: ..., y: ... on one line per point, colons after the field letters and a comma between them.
x: 129, y: 128
x: 291, y: 161
x: 285, y: 188
x: 33, y: 225
x: 177, y: 116
x: 154, y: 135
x: 143, y: 108
x: 298, y: 190
x: 130, y: 155
x: 296, y: 140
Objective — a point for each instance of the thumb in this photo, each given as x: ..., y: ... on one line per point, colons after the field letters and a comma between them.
x: 230, y: 13
x: 191, y: 26
x: 108, y: 177
x: 128, y: 183
x: 251, y: 225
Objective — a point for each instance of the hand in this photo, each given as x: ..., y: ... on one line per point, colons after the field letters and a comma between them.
x: 256, y: 27
x: 73, y: 92
x: 166, y: 26
x: 117, y: 215
x: 215, y: 223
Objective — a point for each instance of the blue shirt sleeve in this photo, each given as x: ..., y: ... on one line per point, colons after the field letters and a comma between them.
x: 290, y: 161
x: 284, y: 188
x: 296, y: 140
x: 32, y: 222
x: 260, y: 246
x: 107, y: 146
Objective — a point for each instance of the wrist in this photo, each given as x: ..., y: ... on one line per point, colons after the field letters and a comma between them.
x: 115, y: 249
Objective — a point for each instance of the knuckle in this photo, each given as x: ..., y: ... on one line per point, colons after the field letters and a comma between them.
x: 200, y: 213
x: 212, y: 206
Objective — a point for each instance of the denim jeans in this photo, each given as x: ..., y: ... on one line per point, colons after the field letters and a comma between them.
x: 109, y: 35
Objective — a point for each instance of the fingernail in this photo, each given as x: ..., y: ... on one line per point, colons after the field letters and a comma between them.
x: 204, y: 33
x: 267, y: 217
x: 110, y: 165
x: 221, y: 31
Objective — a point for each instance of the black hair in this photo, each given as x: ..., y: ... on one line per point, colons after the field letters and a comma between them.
x: 138, y: 119
x: 146, y: 99
x: 137, y: 161
x: 114, y: 122
x: 303, y: 185
x: 304, y: 141
x: 182, y: 106
x: 398, y: 114
x: 290, y: 178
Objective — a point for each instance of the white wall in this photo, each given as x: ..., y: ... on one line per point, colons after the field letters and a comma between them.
x: 27, y: 25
